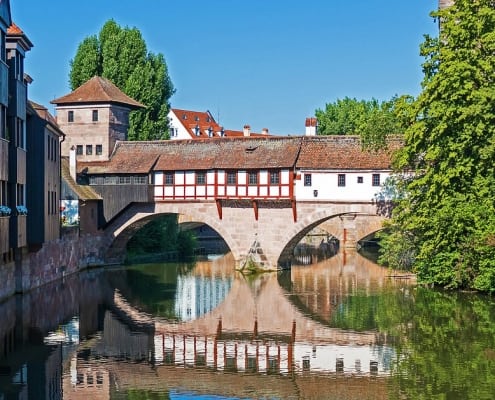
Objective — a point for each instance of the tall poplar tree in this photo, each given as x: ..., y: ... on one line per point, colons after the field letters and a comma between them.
x: 445, y: 221
x: 120, y: 55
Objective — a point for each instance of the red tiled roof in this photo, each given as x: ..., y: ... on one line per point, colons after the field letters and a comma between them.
x: 98, y: 90
x: 14, y: 30
x: 307, y: 152
x: 16, y: 33
x: 204, y: 121
x: 342, y: 153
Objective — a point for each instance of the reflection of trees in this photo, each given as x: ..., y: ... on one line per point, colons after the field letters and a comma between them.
x: 386, y: 312
x: 449, y: 348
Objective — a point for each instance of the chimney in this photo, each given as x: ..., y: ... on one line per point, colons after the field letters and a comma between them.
x: 264, y: 131
x: 311, y: 126
x: 72, y: 163
x: 247, y: 130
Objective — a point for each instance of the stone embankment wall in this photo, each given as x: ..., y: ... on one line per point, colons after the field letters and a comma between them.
x: 54, y: 260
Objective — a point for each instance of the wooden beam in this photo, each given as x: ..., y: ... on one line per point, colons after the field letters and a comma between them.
x: 294, y: 209
x: 255, y: 208
x: 219, y: 207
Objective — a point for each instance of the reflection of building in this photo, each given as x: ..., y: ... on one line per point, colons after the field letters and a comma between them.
x: 267, y: 355
x: 198, y: 295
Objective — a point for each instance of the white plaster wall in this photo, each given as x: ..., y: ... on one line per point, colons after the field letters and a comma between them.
x: 326, y: 183
x: 182, y: 133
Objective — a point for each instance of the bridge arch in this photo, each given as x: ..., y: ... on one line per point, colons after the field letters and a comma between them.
x: 347, y: 226
x: 120, y: 231
x: 273, y: 229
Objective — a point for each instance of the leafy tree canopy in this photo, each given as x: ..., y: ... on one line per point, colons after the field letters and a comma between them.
x: 120, y: 55
x: 446, y: 214
x: 374, y: 121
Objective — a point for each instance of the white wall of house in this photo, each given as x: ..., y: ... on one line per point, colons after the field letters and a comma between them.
x: 176, y: 129
x: 358, y: 185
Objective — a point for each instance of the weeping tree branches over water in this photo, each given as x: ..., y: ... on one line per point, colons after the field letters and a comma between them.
x: 447, y: 215
x: 120, y: 55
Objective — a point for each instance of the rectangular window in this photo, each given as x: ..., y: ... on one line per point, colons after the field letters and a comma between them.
x: 95, y: 115
x: 3, y: 193
x: 307, y: 179
x: 21, y: 195
x: 274, y: 177
x: 169, y: 178
x: 341, y: 180
x: 99, y: 149
x: 89, y: 149
x: 70, y: 116
x: 253, y: 178
x: 79, y: 149
x: 200, y: 178
x: 124, y: 180
x: 360, y: 179
x: 375, y: 181
x: 231, y: 178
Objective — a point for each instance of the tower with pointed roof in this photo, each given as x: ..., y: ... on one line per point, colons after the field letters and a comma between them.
x: 93, y: 117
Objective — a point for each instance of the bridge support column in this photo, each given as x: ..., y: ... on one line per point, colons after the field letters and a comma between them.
x: 348, y: 231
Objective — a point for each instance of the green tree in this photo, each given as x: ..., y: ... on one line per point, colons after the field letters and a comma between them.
x: 120, y: 55
x: 449, y: 150
x: 374, y: 121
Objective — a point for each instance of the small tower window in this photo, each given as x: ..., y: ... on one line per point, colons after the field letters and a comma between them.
x: 95, y: 115
x: 70, y: 116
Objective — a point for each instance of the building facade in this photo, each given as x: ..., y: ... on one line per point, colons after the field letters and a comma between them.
x: 43, y: 174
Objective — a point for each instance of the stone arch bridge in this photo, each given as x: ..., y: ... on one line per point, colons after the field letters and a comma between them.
x: 267, y: 233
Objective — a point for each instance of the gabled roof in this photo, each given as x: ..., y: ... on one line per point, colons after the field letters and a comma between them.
x: 342, y: 153
x: 198, y: 123
x: 98, y: 90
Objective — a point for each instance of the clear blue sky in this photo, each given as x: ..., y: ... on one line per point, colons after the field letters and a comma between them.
x: 266, y: 63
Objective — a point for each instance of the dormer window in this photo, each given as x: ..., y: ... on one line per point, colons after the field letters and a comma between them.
x: 196, y: 118
x: 184, y: 116
x: 210, y: 132
x: 196, y: 130
x: 207, y: 119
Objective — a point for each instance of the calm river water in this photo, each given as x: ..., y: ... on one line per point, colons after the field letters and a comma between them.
x: 342, y: 328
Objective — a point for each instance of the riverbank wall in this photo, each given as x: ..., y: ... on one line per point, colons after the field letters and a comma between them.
x: 52, y: 261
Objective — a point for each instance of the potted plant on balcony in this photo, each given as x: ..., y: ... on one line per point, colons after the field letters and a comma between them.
x: 5, y: 211
x: 22, y: 210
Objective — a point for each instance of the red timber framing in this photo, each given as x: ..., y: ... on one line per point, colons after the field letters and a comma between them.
x: 261, y: 188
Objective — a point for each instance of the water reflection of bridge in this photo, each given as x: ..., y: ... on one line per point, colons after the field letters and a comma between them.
x: 275, y: 348
x: 257, y: 329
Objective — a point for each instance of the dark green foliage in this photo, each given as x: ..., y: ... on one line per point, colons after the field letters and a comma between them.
x: 162, y: 235
x: 448, y: 207
x: 374, y: 121
x: 120, y: 55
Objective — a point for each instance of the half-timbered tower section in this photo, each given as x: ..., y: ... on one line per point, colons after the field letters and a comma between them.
x: 240, y: 172
x: 94, y: 117
x: 336, y: 168
x: 229, y: 169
